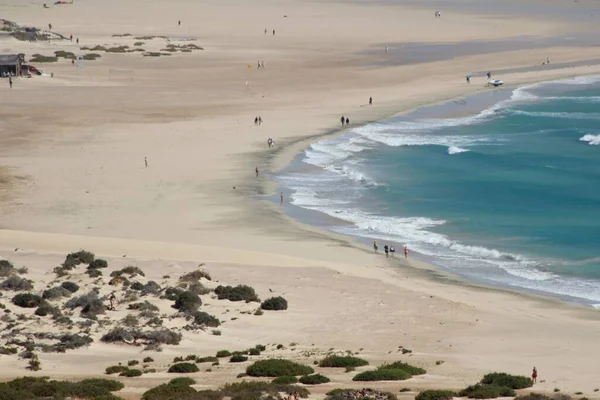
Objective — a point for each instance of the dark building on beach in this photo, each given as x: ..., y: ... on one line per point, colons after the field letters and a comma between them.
x: 10, y: 64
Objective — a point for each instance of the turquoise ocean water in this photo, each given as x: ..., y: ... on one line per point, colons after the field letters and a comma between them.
x: 509, y: 196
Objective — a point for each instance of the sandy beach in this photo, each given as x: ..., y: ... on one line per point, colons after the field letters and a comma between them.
x: 73, y: 176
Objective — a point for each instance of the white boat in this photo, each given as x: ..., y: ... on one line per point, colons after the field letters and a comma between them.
x: 495, y: 82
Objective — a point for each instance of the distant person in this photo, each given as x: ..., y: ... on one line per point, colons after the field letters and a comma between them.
x: 146, y: 161
x: 256, y: 172
x: 392, y: 250
x: 273, y: 32
x: 386, y: 249
x: 262, y: 64
x: 259, y: 120
x: 547, y: 60
x: 370, y: 101
x: 10, y: 81
x: 77, y: 40
x: 405, y: 252
x: 258, y: 67
x: 49, y: 27
x: 468, y: 78
x: 534, y: 375
x: 342, y: 120
x: 265, y: 31
x: 179, y: 22
x: 281, y: 198
x: 71, y: 37
x: 347, y: 121
x: 375, y: 246
x: 255, y: 121
x: 386, y: 48
x: 489, y: 75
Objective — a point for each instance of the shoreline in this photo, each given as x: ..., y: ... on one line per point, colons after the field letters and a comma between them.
x: 307, y: 217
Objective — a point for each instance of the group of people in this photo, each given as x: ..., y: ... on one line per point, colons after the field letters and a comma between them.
x: 261, y: 64
x: 270, y: 142
x: 258, y: 120
x: 438, y: 14
x: 267, y: 30
x: 389, y: 249
x: 345, y: 120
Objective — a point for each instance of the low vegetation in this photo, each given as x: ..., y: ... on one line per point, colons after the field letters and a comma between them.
x: 204, y: 319
x: 511, y: 381
x: 183, y: 368
x: 237, y: 293
x: 480, y: 391
x: 436, y: 395
x: 277, y: 367
x: 38, y: 58
x: 6, y: 268
x: 285, y: 380
x: 342, y: 362
x: 275, y: 304
x: 28, y: 388
x: 345, y: 394
x: 238, y: 358
x: 16, y: 283
x: 316, y: 379
x: 382, y: 375
x: 27, y: 300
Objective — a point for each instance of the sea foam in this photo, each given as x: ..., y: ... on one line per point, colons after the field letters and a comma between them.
x: 593, y: 140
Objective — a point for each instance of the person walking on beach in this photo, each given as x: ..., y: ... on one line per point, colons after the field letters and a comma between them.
x: 255, y: 121
x: 342, y: 120
x: 392, y: 250
x: 370, y: 101
x: 386, y: 48
x: 281, y: 199
x: 468, y: 78
x: 534, y: 375
x: 375, y: 246
x: 273, y: 32
x: 10, y: 81
x: 179, y: 23
x: 259, y: 120
x: 347, y: 121
x: 386, y: 249
x: 77, y: 40
x: 405, y: 251
x: 50, y: 27
x: 489, y: 75
x: 256, y: 169
x: 262, y: 64
x: 146, y: 161
x: 265, y: 31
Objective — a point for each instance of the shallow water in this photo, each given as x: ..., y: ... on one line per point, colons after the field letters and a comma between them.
x: 508, y: 196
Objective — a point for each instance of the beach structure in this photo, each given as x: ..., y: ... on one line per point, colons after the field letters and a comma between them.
x: 10, y: 64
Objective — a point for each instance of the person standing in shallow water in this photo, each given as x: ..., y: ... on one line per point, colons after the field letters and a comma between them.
x: 375, y: 246
x: 370, y: 101
x: 534, y: 375
x: 281, y: 199
x: 256, y: 169
x: 347, y: 121
x: 392, y: 251
x: 342, y: 120
x: 405, y: 251
x: 386, y: 249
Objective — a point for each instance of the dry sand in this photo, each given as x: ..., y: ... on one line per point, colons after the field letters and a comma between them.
x: 72, y: 151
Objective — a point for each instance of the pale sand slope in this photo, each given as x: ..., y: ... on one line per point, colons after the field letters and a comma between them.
x: 78, y: 142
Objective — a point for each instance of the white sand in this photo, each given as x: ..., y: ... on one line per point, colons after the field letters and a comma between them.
x: 73, y: 150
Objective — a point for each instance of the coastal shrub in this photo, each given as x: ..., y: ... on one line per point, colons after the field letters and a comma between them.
x: 342, y: 362
x: 237, y: 358
x: 210, y: 359
x: 345, y: 394
x: 511, y: 381
x: 72, y: 341
x: 6, y: 268
x: 480, y: 391
x: 98, y: 263
x: 187, y: 302
x: 151, y: 288
x: 436, y: 395
x: 237, y: 293
x: 382, y: 375
x: 38, y: 58
x: 259, y: 390
x: 108, y: 384
x: 163, y: 336
x: 80, y: 257
x: 130, y: 321
x: 27, y: 300
x: 534, y: 396
x: 132, y: 363
x: 198, y: 288
x: 130, y: 270
x: 168, y: 392
x: 172, y: 293
x: 91, y: 310
x: 70, y: 286
x: 137, y: 286
x: 16, y: 283
x: 82, y: 300
x: 91, y: 56
x: 205, y: 319
x: 115, y: 369
x: 315, y: 379
x: 254, y: 352
x: 183, y: 368
x: 144, y: 306
x: 275, y: 304
x: 94, y: 273
x: 148, y: 360
x: 182, y: 380
x: 65, y: 54
x: 277, y: 367
x: 131, y: 373
x: 223, y: 353
x: 195, y: 276
x: 404, y: 367
x: 30, y: 388
x: 285, y: 380
x: 45, y: 309
x: 55, y: 293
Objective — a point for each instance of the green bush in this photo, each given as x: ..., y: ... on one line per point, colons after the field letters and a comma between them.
x: 16, y: 283
x: 55, y: 293
x: 131, y: 363
x: 45, y: 309
x: 38, y: 58
x: 511, y: 381
x: 435, y: 395
x: 108, y: 384
x: 204, y: 319
x: 172, y: 293
x: 254, y: 352
x: 260, y: 390
x: 480, y: 391
x: 131, y: 373
x: 183, y: 368
x: 237, y: 358
x: 404, y: 367
x: 183, y: 380
x: 30, y: 388
x: 275, y: 304
x: 145, y: 306
x: 27, y: 300
x: 223, y: 353
x: 195, y: 276
x: 98, y: 263
x: 382, y: 375
x: 94, y: 273
x: 91, y: 56
x: 137, y: 286
x: 168, y: 392
x: 130, y: 270
x: 238, y: 293
x: 187, y: 302
x: 277, y: 367
x: 80, y: 257
x: 315, y: 379
x: 70, y: 286
x: 148, y: 359
x: 285, y: 380
x: 6, y: 268
x: 200, y: 360
x: 115, y: 369
x: 534, y: 396
x: 342, y: 362
x: 65, y: 54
